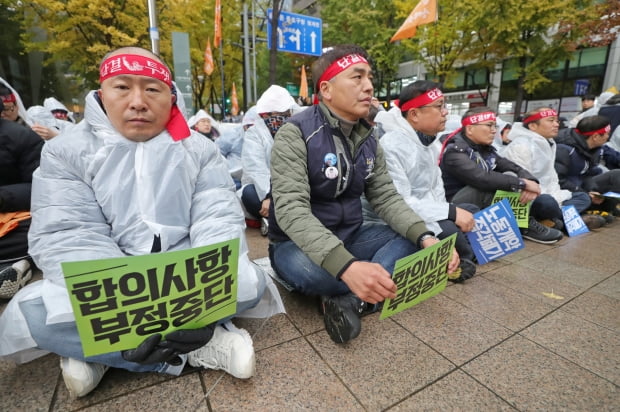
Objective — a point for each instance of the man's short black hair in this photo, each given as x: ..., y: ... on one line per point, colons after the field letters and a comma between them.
x: 588, y: 96
x: 591, y: 123
x: 415, y: 89
x: 330, y: 56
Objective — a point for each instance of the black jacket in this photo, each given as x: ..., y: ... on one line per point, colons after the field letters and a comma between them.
x: 465, y: 163
x: 20, y: 152
x: 575, y: 162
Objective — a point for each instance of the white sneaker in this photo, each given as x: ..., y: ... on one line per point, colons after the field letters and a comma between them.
x: 264, y: 226
x: 13, y: 277
x: 228, y: 350
x: 81, y: 377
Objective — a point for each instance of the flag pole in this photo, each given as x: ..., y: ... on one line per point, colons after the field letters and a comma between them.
x: 223, y: 85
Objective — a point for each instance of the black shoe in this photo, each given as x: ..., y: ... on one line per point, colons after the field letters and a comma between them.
x: 540, y: 233
x: 341, y: 315
x: 608, y: 217
x: 466, y: 270
x: 593, y: 221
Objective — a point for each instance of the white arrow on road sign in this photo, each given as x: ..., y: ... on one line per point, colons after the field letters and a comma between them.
x: 296, y: 38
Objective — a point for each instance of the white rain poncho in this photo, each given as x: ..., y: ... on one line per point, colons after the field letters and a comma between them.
x: 536, y: 154
x: 104, y: 196
x: 257, y: 142
x: 413, y: 168
x: 21, y: 109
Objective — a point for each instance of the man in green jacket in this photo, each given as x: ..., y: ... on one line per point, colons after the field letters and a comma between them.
x: 323, y: 160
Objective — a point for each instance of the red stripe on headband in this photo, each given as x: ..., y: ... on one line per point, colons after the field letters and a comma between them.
x: 478, y: 118
x: 540, y: 115
x: 602, y: 130
x: 422, y: 100
x: 340, y: 65
x: 134, y: 64
x: 9, y: 98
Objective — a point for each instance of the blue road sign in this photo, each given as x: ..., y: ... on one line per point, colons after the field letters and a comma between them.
x: 297, y: 33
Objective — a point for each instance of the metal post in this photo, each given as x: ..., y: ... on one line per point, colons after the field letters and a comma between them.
x: 254, y: 94
x: 223, y: 85
x: 153, y: 31
x: 247, y: 93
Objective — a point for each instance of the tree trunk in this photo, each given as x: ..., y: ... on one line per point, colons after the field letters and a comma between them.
x: 273, y: 53
x: 520, y: 90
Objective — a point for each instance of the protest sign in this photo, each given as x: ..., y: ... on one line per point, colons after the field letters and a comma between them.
x: 495, y: 233
x: 120, y: 302
x: 521, y: 212
x: 420, y: 276
x: 573, y: 222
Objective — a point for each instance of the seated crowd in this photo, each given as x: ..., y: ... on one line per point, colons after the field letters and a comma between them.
x: 339, y: 204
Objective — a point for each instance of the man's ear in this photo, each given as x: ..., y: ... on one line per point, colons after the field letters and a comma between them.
x: 325, y: 89
x: 100, y: 95
x: 173, y: 98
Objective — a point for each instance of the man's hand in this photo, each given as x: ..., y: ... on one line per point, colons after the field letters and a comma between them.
x: 264, y: 210
x: 464, y: 220
x: 369, y: 281
x: 532, y: 186
x: 455, y: 260
x: 530, y: 192
x: 148, y: 352
x: 45, y: 132
x: 188, y: 340
x: 596, y: 197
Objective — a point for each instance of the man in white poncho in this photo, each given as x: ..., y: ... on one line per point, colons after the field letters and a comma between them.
x: 131, y: 179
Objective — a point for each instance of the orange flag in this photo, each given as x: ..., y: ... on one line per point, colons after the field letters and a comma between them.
x: 303, y: 86
x: 235, y: 103
x: 209, y: 66
x: 217, y: 37
x: 424, y: 12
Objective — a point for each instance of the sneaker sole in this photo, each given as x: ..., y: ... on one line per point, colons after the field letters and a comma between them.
x: 341, y: 326
x: 544, y: 242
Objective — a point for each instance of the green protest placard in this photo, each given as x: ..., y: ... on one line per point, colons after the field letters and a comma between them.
x: 521, y: 212
x: 420, y: 276
x: 120, y: 302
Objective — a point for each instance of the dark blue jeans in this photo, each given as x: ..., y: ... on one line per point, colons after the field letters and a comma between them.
x: 372, y: 242
x: 251, y: 202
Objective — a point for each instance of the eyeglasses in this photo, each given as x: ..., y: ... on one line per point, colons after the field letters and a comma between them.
x: 9, y: 109
x: 489, y: 125
x: 440, y: 107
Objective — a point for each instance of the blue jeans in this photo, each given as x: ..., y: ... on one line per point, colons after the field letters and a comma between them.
x: 581, y: 201
x: 251, y: 202
x: 64, y: 340
x: 373, y: 242
x: 545, y: 207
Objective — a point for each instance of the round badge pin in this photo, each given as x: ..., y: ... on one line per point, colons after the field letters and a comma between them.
x: 330, y: 160
x: 331, y: 173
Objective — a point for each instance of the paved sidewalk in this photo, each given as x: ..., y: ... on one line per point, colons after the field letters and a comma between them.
x: 537, y: 330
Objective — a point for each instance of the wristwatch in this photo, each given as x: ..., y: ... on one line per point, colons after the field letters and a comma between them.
x: 424, y: 237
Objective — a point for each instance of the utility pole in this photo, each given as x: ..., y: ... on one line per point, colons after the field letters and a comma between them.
x: 247, y: 80
x: 153, y: 31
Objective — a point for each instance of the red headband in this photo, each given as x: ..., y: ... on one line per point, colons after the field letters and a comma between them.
x: 338, y: 66
x: 478, y: 118
x: 602, y: 130
x: 134, y: 64
x: 144, y: 66
x: 9, y: 98
x: 540, y: 115
x: 422, y: 100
